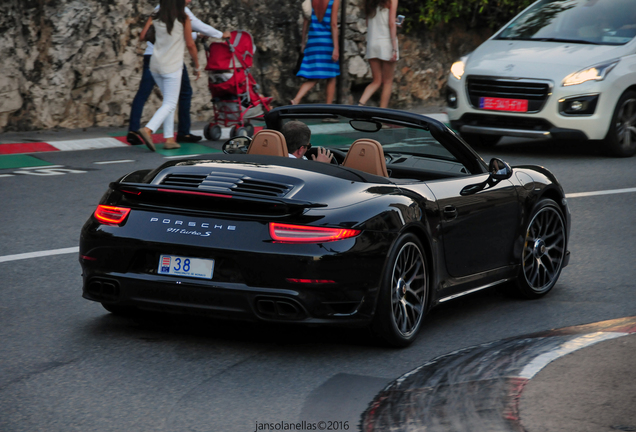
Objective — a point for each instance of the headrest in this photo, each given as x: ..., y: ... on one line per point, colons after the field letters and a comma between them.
x: 268, y: 142
x: 366, y: 155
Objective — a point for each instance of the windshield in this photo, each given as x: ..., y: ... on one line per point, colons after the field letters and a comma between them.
x: 393, y: 138
x: 599, y: 22
x: 406, y: 148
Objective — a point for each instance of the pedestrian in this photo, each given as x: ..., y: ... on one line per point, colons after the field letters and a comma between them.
x: 173, y: 32
x: 320, y: 49
x: 185, y: 94
x: 382, y: 48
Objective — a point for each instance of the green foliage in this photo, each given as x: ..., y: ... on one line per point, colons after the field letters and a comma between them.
x: 489, y: 13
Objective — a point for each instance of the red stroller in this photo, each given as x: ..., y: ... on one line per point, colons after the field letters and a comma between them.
x: 234, y: 91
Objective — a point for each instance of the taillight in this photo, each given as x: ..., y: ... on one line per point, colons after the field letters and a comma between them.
x: 306, y: 234
x: 109, y: 215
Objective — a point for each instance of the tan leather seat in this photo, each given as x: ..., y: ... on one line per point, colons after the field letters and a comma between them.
x: 366, y: 155
x: 268, y: 142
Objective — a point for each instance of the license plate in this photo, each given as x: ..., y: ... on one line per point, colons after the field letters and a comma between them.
x: 186, y: 266
x: 503, y: 104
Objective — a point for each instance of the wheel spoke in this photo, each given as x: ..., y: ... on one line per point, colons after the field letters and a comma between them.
x: 405, y: 317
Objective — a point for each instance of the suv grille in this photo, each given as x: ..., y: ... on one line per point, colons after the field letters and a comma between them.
x: 228, y: 183
x: 534, y: 91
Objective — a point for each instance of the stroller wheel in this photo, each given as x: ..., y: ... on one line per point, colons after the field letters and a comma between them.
x: 240, y: 131
x: 212, y: 132
x: 250, y: 129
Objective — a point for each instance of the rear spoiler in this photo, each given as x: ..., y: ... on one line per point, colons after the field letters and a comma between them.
x: 139, y: 189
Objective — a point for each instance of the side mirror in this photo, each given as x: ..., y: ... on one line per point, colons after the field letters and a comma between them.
x: 237, y: 145
x: 499, y: 170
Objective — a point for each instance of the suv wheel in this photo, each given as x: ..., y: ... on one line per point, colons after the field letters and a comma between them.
x: 621, y: 137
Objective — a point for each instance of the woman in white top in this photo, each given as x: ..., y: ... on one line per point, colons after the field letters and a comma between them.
x: 173, y: 33
x: 382, y: 48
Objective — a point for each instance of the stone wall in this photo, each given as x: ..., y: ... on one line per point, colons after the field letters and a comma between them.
x: 77, y: 63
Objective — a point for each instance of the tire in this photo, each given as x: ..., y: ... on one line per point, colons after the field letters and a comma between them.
x: 232, y: 131
x: 212, y: 132
x: 403, y: 295
x: 620, y: 140
x: 544, y: 249
x: 124, y: 311
x: 250, y: 129
x: 240, y: 131
x: 481, y: 141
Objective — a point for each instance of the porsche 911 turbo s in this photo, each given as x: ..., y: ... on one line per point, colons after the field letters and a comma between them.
x: 407, y: 216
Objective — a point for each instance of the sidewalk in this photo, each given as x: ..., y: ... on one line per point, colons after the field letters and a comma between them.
x: 20, y: 149
x: 575, y: 379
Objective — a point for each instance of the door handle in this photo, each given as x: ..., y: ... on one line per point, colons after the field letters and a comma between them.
x: 450, y: 212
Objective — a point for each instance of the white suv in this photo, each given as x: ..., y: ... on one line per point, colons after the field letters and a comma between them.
x: 562, y: 69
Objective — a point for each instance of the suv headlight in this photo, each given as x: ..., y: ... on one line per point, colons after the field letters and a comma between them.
x: 457, y: 69
x: 593, y: 73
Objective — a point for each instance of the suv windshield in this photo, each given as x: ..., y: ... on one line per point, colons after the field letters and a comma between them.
x: 601, y: 22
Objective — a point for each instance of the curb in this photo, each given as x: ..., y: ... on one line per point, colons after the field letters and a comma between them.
x: 479, y: 388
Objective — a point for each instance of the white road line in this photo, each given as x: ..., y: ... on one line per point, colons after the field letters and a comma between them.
x: 605, y: 192
x: 180, y: 156
x: 114, y: 162
x: 28, y: 255
x: 42, y: 167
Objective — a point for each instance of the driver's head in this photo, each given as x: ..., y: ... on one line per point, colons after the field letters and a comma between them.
x: 297, y: 134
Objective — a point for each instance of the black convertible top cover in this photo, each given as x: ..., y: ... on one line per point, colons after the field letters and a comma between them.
x: 306, y: 165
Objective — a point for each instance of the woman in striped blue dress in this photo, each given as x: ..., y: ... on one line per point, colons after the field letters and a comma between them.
x: 321, y: 53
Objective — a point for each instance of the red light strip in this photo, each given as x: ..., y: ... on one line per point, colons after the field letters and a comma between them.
x: 307, y: 234
x: 195, y: 193
x: 311, y: 281
x: 131, y: 192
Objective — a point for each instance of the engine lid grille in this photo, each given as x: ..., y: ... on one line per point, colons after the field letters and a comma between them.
x: 226, y: 182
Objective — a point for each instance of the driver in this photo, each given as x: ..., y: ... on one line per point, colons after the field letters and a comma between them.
x: 297, y: 135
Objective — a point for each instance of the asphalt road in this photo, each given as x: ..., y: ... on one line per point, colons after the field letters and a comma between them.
x: 68, y: 365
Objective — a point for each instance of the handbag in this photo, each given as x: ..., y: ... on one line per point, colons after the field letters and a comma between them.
x: 150, y: 34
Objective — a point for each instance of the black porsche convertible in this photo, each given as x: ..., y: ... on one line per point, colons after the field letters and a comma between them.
x: 407, y: 216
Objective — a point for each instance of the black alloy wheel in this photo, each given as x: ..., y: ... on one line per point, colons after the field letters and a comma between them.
x: 544, y: 249
x: 403, y: 294
x: 621, y: 137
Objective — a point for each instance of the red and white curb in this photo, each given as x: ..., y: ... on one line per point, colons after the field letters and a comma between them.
x: 82, y: 144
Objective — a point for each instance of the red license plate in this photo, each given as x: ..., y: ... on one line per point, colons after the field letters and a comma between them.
x: 502, y: 104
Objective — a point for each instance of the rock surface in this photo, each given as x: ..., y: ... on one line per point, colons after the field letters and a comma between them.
x: 77, y: 63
